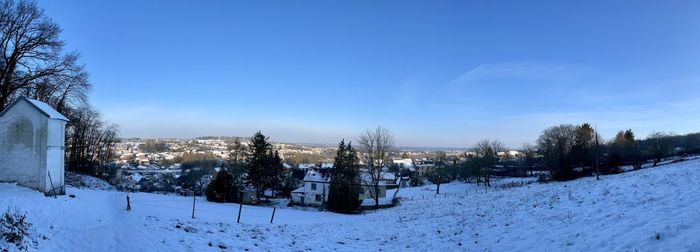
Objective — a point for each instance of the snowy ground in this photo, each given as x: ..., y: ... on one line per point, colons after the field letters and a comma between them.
x: 655, y: 209
x: 87, y: 182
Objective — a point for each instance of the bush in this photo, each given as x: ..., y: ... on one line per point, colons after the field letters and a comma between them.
x: 222, y: 189
x: 16, y: 232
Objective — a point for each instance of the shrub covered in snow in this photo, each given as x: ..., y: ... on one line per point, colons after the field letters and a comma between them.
x: 84, y: 181
x: 16, y: 232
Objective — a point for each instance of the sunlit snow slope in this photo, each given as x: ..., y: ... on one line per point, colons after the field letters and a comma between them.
x: 655, y: 209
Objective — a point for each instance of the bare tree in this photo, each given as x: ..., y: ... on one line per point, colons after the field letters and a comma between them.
x: 440, y: 157
x: 237, y: 150
x: 34, y: 64
x: 556, y: 143
x: 529, y: 160
x: 32, y: 60
x: 659, y: 146
x: 89, y: 141
x: 486, y: 157
x: 375, y: 148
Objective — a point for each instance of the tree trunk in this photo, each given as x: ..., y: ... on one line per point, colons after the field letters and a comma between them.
x: 376, y: 195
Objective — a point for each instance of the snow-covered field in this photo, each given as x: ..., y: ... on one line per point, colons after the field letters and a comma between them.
x: 656, y: 209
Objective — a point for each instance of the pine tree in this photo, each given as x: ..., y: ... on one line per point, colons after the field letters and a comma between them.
x: 632, y: 153
x: 222, y: 188
x: 264, y: 165
x: 345, y: 190
x: 582, y: 151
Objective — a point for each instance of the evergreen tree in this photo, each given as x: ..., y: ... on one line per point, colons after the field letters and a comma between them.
x: 345, y: 190
x: 222, y: 189
x: 582, y: 153
x: 264, y: 165
x: 631, y: 152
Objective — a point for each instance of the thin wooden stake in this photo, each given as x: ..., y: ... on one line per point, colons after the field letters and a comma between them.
x: 128, y: 202
x: 194, y: 199
x: 53, y: 189
x: 273, y: 214
x: 240, y: 208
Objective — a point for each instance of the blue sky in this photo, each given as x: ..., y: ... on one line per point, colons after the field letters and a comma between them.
x: 437, y: 73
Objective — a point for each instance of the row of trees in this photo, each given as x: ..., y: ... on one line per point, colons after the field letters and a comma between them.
x: 571, y: 151
x: 35, y: 64
x: 257, y: 165
x: 567, y: 152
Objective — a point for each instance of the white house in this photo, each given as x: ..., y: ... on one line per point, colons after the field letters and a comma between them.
x: 404, y: 163
x: 317, y: 187
x: 32, y: 136
x: 315, y: 190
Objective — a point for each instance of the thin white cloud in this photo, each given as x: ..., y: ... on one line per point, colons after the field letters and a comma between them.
x: 546, y: 72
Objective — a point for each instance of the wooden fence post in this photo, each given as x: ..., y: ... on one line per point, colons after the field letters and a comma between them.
x: 53, y: 189
x: 194, y: 199
x: 240, y: 207
x: 128, y: 202
x: 273, y: 214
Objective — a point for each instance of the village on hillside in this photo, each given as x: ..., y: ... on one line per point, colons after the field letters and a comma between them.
x: 156, y: 165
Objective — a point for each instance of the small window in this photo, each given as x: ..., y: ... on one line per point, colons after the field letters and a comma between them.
x: 318, y: 197
x: 313, y: 186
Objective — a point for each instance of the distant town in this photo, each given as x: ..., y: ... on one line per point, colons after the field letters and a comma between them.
x: 156, y: 165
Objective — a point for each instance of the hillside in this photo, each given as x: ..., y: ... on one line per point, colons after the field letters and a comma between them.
x: 649, y: 210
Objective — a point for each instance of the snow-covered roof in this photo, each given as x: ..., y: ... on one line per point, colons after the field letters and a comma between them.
x: 44, y: 108
x: 306, y: 166
x: 402, y: 161
x: 286, y: 166
x: 327, y: 165
x: 299, y: 190
x: 388, y: 176
x: 367, y: 178
x: 136, y: 177
x: 315, y: 176
x: 48, y: 110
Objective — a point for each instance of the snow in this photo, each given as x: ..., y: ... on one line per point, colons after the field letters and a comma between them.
x: 137, y: 177
x: 654, y: 209
x: 306, y: 166
x: 315, y: 176
x: 48, y: 110
x: 83, y: 181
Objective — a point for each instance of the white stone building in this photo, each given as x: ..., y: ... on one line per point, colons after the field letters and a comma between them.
x: 32, y: 146
x: 315, y: 190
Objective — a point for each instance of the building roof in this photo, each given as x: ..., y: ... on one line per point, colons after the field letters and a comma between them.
x: 306, y: 166
x: 44, y: 108
x: 299, y: 190
x: 367, y: 178
x: 136, y: 177
x: 315, y: 176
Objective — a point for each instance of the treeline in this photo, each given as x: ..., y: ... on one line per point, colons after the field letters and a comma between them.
x: 571, y: 151
x: 153, y: 146
x: 36, y: 65
x: 566, y: 151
